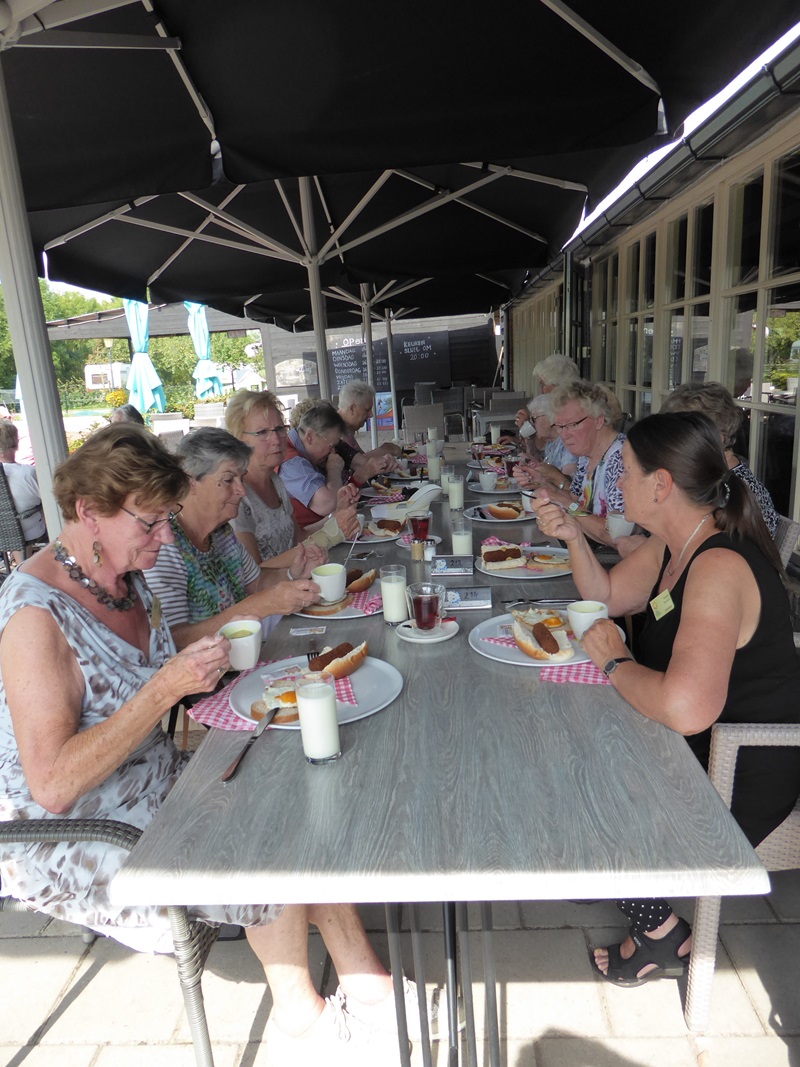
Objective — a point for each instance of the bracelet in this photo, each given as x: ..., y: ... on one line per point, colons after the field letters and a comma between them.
x: 289, y: 574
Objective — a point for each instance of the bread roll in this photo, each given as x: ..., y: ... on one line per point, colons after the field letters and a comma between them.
x: 329, y: 609
x: 505, y: 509
x: 358, y: 581
x: 502, y: 557
x: 526, y: 641
x: 340, y: 661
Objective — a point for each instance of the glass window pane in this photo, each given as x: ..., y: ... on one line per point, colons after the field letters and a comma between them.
x: 676, y: 259
x: 645, y: 404
x: 738, y: 371
x: 745, y: 234
x: 775, y: 467
x: 633, y: 349
x: 782, y: 342
x: 677, y: 332
x: 701, y: 258
x: 650, y: 270
x: 614, y: 280
x: 600, y: 285
x: 699, y: 343
x: 628, y: 401
x: 634, y: 253
x: 611, y: 353
x: 647, y: 350
x: 786, y: 217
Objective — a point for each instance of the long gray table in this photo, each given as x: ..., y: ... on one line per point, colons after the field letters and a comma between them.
x: 477, y: 783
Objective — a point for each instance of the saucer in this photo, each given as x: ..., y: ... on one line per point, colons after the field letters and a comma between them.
x: 407, y: 632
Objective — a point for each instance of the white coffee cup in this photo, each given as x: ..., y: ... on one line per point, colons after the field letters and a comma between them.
x: 245, y: 638
x: 617, y: 525
x: 331, y: 579
x: 527, y: 429
x: 488, y: 479
x: 527, y: 502
x: 583, y: 613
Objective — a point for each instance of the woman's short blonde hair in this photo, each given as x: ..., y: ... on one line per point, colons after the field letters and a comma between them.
x: 713, y: 400
x: 299, y: 410
x: 114, y: 463
x: 243, y: 403
x: 593, y: 399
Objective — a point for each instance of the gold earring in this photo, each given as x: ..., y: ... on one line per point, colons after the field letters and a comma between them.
x: 97, y: 559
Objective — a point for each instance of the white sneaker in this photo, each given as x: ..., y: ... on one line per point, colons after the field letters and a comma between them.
x: 335, y: 1040
x: 382, y: 1016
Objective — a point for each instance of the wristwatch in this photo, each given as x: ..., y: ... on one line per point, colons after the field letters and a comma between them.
x: 612, y: 664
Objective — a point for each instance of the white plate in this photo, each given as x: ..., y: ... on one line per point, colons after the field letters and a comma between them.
x: 512, y: 488
x: 406, y: 632
x: 504, y: 654
x: 474, y: 465
x: 523, y: 573
x: 345, y: 613
x: 473, y: 513
x: 436, y: 540
x: 375, y: 684
x: 372, y: 539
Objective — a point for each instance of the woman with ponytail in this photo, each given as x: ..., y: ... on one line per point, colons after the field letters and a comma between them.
x: 716, y: 644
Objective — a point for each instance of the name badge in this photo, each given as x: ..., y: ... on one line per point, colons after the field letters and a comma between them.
x: 155, y: 614
x: 662, y: 604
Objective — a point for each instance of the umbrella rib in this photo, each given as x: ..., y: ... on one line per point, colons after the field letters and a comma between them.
x: 243, y: 229
x: 352, y: 215
x: 599, y: 41
x: 422, y: 209
x: 180, y: 232
x: 109, y: 216
x: 186, y: 244
x: 503, y: 221
x: 527, y: 175
x: 292, y: 218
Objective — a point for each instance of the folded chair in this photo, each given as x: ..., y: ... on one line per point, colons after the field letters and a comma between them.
x: 778, y: 852
x: 192, y: 940
x: 786, y: 537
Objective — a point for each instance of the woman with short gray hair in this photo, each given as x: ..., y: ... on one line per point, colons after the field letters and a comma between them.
x: 313, y: 471
x: 204, y: 577
x: 553, y: 372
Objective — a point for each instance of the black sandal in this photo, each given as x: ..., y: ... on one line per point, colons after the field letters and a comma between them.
x: 663, y: 952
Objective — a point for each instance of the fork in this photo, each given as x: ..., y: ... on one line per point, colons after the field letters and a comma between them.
x: 313, y: 650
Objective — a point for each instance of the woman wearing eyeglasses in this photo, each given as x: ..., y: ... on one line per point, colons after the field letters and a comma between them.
x: 266, y: 523
x: 584, y: 420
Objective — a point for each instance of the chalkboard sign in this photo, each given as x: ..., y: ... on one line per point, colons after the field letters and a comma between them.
x: 418, y: 357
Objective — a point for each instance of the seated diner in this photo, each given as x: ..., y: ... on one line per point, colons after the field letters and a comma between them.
x: 88, y: 670
x: 716, y: 643
x: 204, y: 577
x: 265, y: 523
x: 356, y: 406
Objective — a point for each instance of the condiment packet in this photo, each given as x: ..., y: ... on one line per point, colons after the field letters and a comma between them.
x: 307, y: 631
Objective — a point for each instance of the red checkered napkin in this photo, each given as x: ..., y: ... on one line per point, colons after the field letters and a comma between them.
x: 367, y: 601
x: 395, y: 498
x: 507, y: 642
x: 215, y: 710
x: 495, y: 541
x: 580, y: 673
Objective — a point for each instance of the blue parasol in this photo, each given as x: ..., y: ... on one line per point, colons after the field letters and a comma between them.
x: 206, y: 373
x: 144, y: 385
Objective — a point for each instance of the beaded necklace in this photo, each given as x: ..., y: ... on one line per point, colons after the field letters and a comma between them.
x: 77, y: 574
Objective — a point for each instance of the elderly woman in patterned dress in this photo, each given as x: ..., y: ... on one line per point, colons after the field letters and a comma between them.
x: 88, y: 670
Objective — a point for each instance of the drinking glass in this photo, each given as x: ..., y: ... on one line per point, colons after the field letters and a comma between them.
x: 448, y: 470
x: 455, y: 491
x: 420, y: 524
x: 393, y: 593
x: 461, y: 536
x: 319, y: 723
x: 426, y: 605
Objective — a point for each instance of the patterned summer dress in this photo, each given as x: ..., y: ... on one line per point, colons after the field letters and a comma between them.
x: 71, y: 881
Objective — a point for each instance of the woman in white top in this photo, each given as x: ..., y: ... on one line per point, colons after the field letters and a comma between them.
x: 24, y: 485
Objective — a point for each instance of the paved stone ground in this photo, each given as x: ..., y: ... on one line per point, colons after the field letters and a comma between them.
x: 68, y: 1004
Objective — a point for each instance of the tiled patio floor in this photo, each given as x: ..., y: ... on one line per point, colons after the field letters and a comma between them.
x: 67, y: 1004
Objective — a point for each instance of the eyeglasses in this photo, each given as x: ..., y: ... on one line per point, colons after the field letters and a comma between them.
x: 279, y: 431
x: 561, y: 427
x: 157, y: 523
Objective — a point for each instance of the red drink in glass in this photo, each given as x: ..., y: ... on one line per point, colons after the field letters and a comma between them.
x: 419, y: 526
x: 511, y: 462
x: 426, y: 611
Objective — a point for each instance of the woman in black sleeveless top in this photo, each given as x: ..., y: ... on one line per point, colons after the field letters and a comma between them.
x: 716, y: 645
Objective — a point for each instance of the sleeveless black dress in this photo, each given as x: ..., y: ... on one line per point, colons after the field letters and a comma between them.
x: 764, y: 686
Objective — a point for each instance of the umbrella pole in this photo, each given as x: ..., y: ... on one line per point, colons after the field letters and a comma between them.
x: 366, y: 325
x: 392, y: 387
x: 315, y: 286
x: 26, y: 321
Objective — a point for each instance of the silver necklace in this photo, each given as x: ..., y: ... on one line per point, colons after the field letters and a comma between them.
x: 690, y: 538
x: 77, y: 574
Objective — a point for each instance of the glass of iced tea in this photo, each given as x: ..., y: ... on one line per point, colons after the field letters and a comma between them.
x: 420, y: 524
x: 425, y: 605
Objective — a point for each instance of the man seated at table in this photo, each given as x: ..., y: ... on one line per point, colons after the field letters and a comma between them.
x: 88, y: 668
x: 356, y: 405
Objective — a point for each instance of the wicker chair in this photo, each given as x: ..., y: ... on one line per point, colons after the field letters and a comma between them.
x: 778, y: 852
x: 192, y: 940
x: 786, y: 537
x: 12, y: 539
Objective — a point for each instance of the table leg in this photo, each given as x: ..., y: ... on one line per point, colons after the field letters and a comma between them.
x: 419, y: 978
x: 396, y: 964
x: 705, y: 933
x: 465, y: 958
x: 490, y: 980
x: 449, y: 917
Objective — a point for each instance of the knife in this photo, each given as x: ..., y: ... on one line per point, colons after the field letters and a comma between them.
x: 233, y: 770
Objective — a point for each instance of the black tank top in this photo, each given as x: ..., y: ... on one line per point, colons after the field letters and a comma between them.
x: 764, y: 686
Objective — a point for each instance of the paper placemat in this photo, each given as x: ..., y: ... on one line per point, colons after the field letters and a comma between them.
x: 215, y: 710
x: 579, y: 673
x: 499, y: 541
x: 367, y: 601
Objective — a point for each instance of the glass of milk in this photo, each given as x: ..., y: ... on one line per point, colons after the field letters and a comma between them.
x: 455, y: 491
x: 434, y: 467
x: 319, y: 723
x: 393, y: 593
x: 448, y: 470
x: 462, y: 537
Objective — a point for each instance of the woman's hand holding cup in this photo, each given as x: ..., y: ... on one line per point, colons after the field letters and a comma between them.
x: 197, y: 668
x: 602, y: 642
